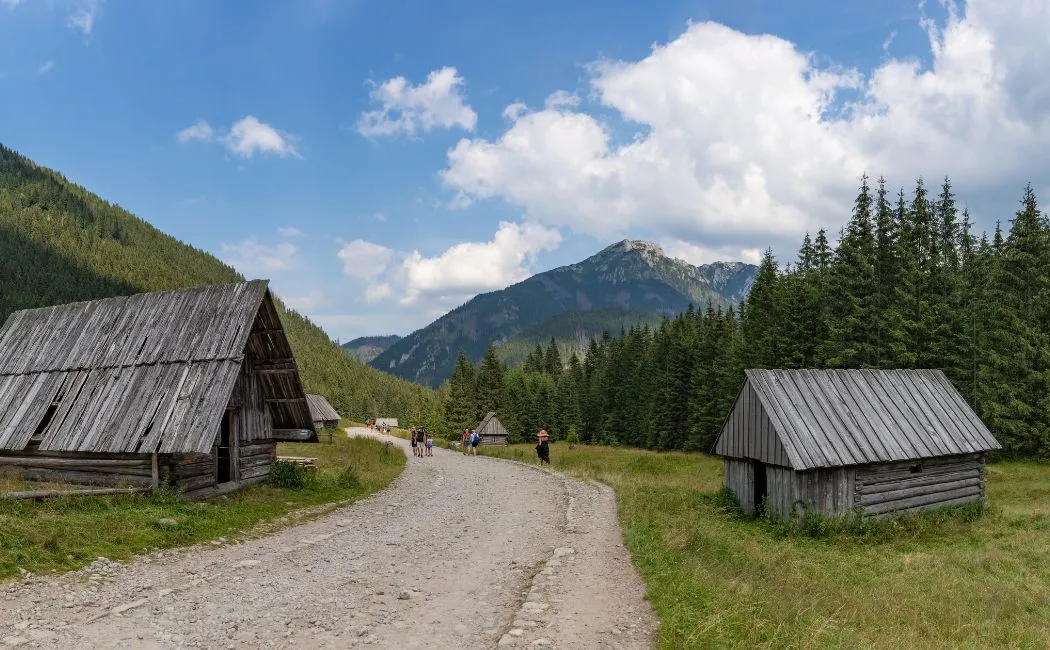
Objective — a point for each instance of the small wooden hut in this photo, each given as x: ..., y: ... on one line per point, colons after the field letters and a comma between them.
x: 491, y: 430
x: 193, y: 386
x: 883, y: 441
x: 324, y: 416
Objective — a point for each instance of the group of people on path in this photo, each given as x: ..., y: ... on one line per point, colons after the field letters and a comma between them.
x: 470, y: 442
x: 422, y: 442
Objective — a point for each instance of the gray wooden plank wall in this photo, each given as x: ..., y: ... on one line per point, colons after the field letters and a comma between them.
x: 749, y: 433
x: 828, y: 491
x: 740, y: 479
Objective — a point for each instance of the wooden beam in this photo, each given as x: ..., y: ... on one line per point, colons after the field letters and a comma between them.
x: 276, y: 371
x: 285, y: 399
x: 156, y: 471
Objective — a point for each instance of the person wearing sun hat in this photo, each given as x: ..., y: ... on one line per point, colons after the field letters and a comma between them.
x: 543, y: 450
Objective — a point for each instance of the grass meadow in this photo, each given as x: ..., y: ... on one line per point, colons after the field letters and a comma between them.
x: 717, y: 579
x: 66, y: 533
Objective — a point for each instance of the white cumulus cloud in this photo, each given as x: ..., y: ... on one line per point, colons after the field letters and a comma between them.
x: 739, y: 139
x: 290, y: 231
x: 462, y: 270
x: 247, y: 137
x: 200, y: 130
x: 407, y: 109
x: 251, y: 257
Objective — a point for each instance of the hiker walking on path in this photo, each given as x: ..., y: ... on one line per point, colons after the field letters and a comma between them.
x: 415, y: 449
x: 475, y: 440
x: 465, y: 442
x: 543, y: 450
x: 430, y: 444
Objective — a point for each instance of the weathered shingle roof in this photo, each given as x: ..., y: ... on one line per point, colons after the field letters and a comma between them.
x: 143, y: 373
x: 320, y: 409
x: 832, y: 418
x: 491, y: 426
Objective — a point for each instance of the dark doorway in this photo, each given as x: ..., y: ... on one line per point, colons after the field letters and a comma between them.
x: 761, y: 489
x: 224, y: 453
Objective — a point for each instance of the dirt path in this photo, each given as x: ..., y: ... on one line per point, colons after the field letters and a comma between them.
x: 459, y: 552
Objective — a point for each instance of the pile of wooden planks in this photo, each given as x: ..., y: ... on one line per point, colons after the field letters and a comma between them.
x: 302, y: 461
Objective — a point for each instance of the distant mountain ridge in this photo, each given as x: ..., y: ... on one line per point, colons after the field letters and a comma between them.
x: 366, y: 348
x: 630, y: 275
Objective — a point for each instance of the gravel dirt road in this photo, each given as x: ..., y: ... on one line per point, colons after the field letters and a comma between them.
x: 459, y: 552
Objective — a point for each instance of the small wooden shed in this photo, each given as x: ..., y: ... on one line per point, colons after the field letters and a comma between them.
x: 883, y: 441
x: 491, y: 430
x: 194, y: 386
x: 324, y: 416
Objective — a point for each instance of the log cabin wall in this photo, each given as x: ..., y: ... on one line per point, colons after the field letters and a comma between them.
x: 920, y: 485
x: 108, y: 470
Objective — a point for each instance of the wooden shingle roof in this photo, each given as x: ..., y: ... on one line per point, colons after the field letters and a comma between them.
x: 146, y: 373
x: 320, y: 409
x: 491, y: 426
x: 834, y: 418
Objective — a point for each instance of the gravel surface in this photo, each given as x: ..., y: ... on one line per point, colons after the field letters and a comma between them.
x: 459, y: 552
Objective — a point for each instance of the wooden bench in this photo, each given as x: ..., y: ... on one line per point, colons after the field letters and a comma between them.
x: 301, y: 461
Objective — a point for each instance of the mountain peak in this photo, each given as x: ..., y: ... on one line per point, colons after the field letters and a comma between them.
x: 628, y: 245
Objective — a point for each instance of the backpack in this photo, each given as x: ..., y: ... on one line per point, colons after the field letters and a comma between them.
x: 475, y: 438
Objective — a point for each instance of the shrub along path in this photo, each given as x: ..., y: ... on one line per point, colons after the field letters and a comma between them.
x: 458, y: 552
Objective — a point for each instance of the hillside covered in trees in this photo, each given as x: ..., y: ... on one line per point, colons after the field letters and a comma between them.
x: 59, y: 243
x: 908, y: 285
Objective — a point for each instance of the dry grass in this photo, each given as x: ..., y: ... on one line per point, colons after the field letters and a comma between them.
x: 718, y: 580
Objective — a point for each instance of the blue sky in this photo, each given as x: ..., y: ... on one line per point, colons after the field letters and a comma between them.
x: 381, y: 162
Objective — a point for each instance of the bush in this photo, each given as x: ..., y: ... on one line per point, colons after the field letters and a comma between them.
x: 287, y: 475
x: 572, y: 437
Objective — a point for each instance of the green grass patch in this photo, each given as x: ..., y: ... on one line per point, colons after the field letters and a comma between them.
x: 958, y: 578
x: 66, y: 533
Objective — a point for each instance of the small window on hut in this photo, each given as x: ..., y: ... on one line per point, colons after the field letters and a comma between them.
x: 916, y: 468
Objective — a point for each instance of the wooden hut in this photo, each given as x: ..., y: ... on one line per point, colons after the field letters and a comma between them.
x: 491, y: 430
x: 193, y: 386
x: 882, y: 441
x: 322, y: 413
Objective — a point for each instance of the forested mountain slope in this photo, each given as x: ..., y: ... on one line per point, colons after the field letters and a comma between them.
x: 366, y: 348
x: 629, y: 275
x: 61, y: 243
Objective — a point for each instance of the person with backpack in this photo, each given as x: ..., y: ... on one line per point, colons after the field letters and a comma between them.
x: 475, y: 440
x: 430, y: 444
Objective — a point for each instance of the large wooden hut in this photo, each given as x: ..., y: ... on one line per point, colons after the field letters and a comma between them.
x: 883, y: 441
x: 323, y: 414
x: 194, y: 387
x: 491, y: 430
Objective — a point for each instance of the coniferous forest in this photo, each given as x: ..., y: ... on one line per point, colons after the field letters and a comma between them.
x: 907, y: 284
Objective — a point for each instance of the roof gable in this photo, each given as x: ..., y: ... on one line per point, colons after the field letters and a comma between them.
x: 491, y: 426
x: 832, y: 418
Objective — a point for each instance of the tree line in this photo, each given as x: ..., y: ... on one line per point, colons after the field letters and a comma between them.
x: 908, y: 284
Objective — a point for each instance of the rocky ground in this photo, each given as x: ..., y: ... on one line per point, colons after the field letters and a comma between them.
x: 460, y: 552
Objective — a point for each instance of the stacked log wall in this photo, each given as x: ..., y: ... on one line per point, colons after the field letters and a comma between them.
x: 256, y: 460
x: 108, y: 470
x: 920, y: 485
